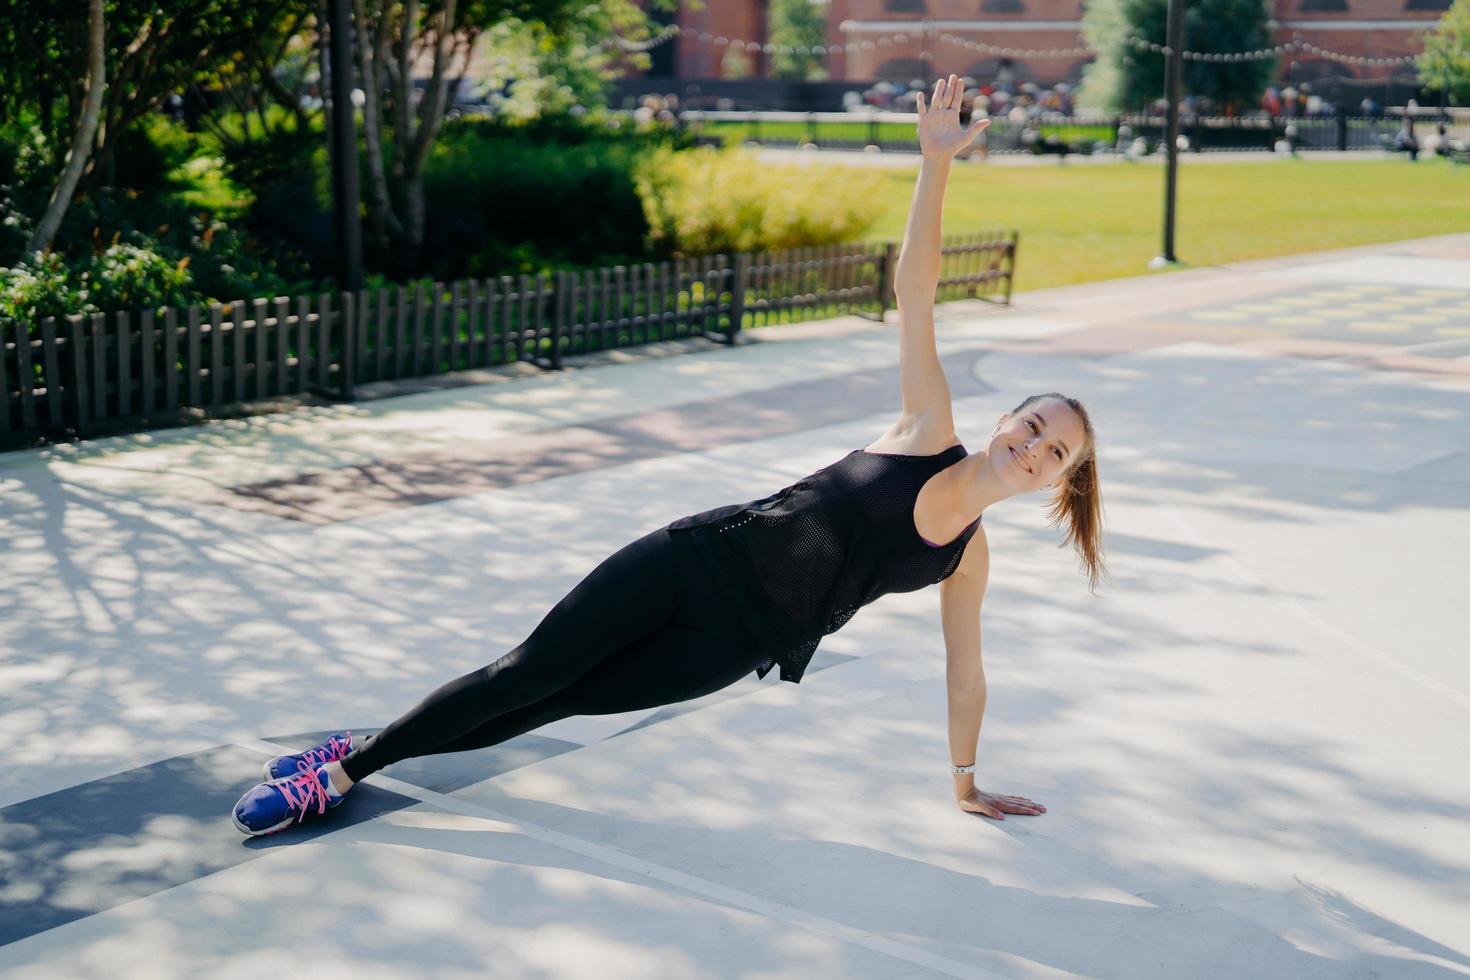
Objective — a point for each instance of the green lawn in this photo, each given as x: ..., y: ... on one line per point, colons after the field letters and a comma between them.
x: 1081, y: 223
x: 792, y: 131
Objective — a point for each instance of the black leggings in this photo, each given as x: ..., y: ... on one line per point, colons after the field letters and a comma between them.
x: 647, y: 627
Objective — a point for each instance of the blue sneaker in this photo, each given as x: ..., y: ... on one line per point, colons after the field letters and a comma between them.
x: 276, y: 805
x: 334, y: 748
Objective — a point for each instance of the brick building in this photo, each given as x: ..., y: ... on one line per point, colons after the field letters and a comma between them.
x: 703, y: 50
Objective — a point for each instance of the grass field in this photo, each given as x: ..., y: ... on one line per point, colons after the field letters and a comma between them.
x: 794, y: 131
x: 1084, y: 223
x: 734, y: 131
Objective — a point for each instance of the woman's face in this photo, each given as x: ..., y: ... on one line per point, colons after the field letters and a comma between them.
x: 1034, y: 447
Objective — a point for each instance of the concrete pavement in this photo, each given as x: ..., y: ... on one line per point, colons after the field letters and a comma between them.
x: 1251, y: 743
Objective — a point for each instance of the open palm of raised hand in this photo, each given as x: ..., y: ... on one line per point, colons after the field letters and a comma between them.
x: 940, y: 132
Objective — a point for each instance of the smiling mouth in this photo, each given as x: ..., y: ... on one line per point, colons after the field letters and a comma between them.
x: 1019, y: 462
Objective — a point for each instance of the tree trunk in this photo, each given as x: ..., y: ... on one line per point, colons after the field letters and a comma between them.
x: 323, y: 68
x: 86, y: 131
x: 372, y: 53
x: 395, y: 199
x: 413, y: 222
x: 431, y: 109
x: 415, y: 151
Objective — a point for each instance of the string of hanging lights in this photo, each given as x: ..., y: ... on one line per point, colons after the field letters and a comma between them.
x: 673, y: 31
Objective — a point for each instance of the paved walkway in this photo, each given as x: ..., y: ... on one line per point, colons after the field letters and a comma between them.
x: 1252, y: 744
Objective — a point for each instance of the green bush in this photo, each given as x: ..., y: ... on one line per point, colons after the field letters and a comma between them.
x: 26, y: 159
x: 122, y: 277
x: 129, y: 277
x: 502, y: 200
x: 25, y: 154
x: 285, y: 174
x: 149, y: 151
x: 39, y: 287
x: 196, y: 258
x: 227, y: 263
x: 16, y: 223
x: 706, y: 201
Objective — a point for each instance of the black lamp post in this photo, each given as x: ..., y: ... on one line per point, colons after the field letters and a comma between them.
x: 1173, y: 84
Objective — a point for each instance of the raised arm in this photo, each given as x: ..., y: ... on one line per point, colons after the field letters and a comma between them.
x: 925, y: 391
x: 940, y: 137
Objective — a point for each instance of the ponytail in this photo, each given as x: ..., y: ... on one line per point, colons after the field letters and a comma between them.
x: 1077, y: 498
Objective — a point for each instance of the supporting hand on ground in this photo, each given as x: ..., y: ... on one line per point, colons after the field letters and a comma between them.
x: 996, y: 806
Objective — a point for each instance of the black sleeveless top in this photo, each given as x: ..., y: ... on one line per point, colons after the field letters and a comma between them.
x: 798, y: 564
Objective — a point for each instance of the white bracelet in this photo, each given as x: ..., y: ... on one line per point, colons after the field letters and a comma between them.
x: 960, y: 770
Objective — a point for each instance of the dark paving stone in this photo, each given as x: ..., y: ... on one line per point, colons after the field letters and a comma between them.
x: 450, y: 771
x: 88, y: 848
x: 453, y: 771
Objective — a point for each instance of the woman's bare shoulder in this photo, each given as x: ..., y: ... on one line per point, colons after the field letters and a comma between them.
x: 921, y: 436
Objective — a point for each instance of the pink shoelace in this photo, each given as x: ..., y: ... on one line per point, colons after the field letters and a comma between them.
x: 302, y: 790
x: 335, y: 749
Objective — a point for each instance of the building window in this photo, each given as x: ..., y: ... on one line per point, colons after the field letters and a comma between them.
x: 903, y: 70
x: 1323, y: 6
x: 1427, y: 4
x: 904, y: 7
x: 1005, y: 71
x: 1003, y: 7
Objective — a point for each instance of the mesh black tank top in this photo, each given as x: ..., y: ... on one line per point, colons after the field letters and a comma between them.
x: 798, y: 564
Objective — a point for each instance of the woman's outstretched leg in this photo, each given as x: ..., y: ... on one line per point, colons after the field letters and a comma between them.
x: 629, y: 597
x: 698, y: 649
x: 679, y: 662
x: 696, y: 654
x: 502, y: 728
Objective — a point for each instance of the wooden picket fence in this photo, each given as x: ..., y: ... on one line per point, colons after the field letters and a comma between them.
x: 84, y: 375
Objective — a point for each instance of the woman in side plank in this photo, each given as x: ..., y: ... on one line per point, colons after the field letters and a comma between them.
x: 697, y: 604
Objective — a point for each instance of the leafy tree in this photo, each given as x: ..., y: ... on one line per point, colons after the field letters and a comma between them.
x: 798, y: 24
x: 401, y: 123
x: 273, y: 67
x: 257, y: 58
x: 85, y: 75
x: 1445, y: 63
x: 1103, y: 28
x: 86, y: 132
x: 529, y: 70
x: 735, y: 64
x: 152, y: 50
x: 1210, y: 26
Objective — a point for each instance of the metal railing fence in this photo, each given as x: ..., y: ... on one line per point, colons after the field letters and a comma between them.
x: 79, y: 376
x: 1050, y: 132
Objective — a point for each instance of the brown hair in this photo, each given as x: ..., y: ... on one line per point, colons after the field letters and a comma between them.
x: 1077, y: 497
